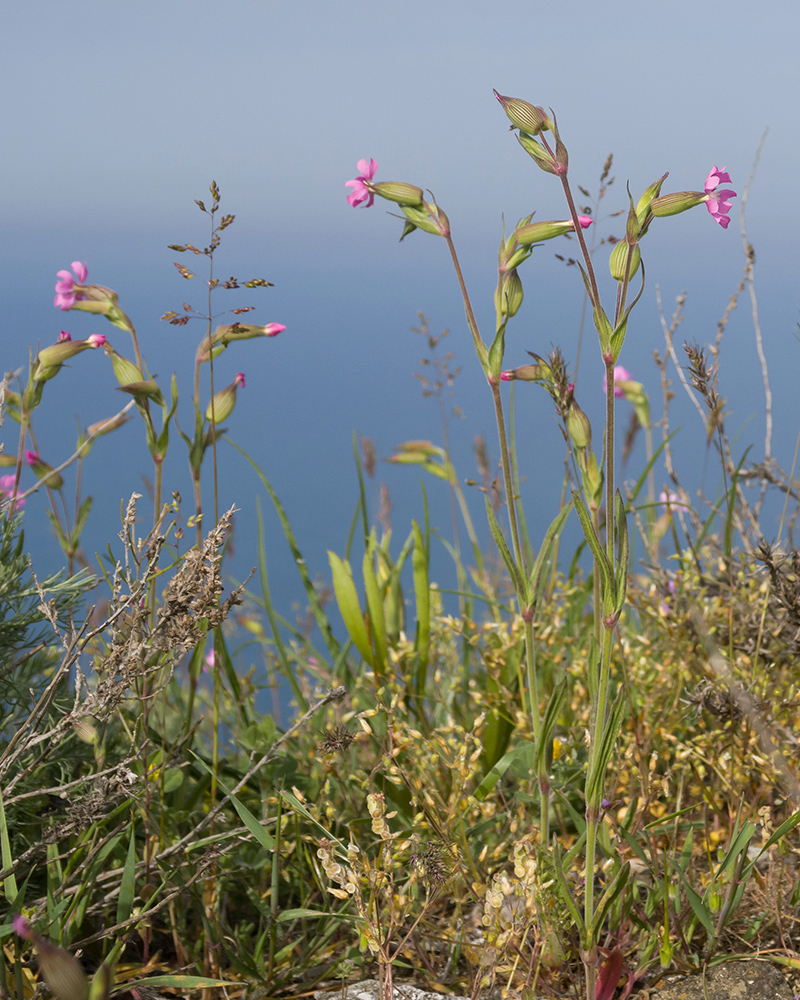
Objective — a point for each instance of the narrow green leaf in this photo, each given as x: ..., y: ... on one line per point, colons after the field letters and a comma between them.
x: 350, y: 607
x: 377, y: 620
x: 362, y: 494
x: 786, y: 827
x: 311, y: 593
x: 299, y: 913
x: 80, y: 520
x: 500, y: 768
x: 621, y: 329
x: 600, y: 558
x: 505, y: 552
x: 566, y: 892
x: 9, y: 882
x: 608, y: 897
x: 698, y: 907
x: 245, y: 815
x: 608, y: 741
x: 127, y: 886
x: 549, y: 719
x: 634, y: 845
x: 623, y: 554
x: 287, y: 668
x: 298, y: 806
x: 497, y: 350
x: 422, y: 595
x: 540, y: 566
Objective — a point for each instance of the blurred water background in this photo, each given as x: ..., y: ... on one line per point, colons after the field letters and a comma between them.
x: 108, y: 147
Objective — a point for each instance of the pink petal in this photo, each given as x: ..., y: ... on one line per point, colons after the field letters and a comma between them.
x: 367, y: 169
x: 717, y: 176
x: 359, y: 193
x: 82, y: 271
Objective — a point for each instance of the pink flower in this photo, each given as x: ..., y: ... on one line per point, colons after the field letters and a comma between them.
x: 63, y: 337
x: 66, y: 293
x: 360, y: 185
x: 717, y: 201
x: 620, y: 375
x: 22, y: 927
x: 273, y: 329
x: 584, y: 220
x: 210, y: 661
x: 7, y: 489
x: 669, y: 500
x: 96, y: 340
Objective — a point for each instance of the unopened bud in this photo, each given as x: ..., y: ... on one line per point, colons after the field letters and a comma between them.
x: 538, y: 153
x: 224, y: 401
x: 525, y: 373
x: 561, y: 157
x: 145, y: 389
x: 529, y: 118
x: 106, y: 426
x: 429, y: 218
x: 508, y: 294
x: 536, y: 232
x: 619, y: 256
x: 61, y: 971
x: 649, y: 194
x: 592, y: 479
x: 125, y: 371
x: 578, y: 426
x: 52, y: 480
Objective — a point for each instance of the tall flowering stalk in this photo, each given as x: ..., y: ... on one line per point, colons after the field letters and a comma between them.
x: 538, y: 134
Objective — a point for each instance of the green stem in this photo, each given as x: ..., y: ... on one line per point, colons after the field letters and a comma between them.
x: 519, y: 555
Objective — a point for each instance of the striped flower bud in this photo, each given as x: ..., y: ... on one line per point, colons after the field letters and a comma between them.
x: 398, y: 191
x: 677, y: 202
x: 529, y: 118
x: 525, y: 373
x: 224, y: 401
x: 429, y: 218
x: 508, y: 294
x: 578, y: 426
x: 536, y: 232
x: 619, y: 255
x: 125, y: 371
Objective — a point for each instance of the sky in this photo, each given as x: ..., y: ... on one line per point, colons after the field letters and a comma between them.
x: 117, y: 116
